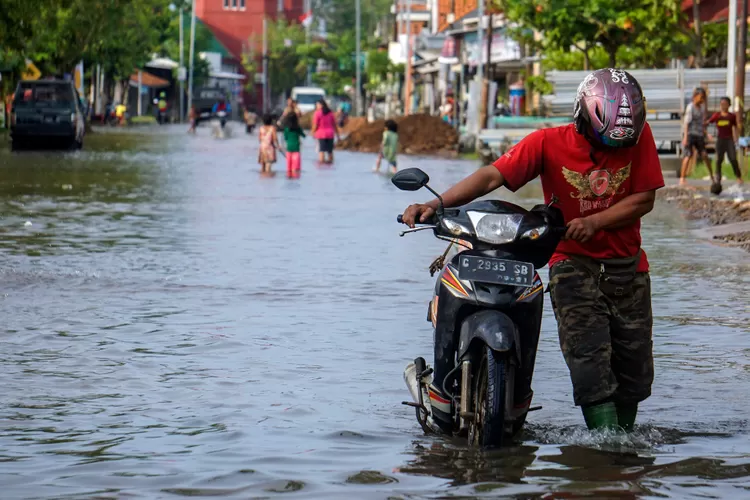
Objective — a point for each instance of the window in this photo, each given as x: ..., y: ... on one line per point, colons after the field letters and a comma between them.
x: 242, y: 4
x: 234, y: 4
x: 226, y: 4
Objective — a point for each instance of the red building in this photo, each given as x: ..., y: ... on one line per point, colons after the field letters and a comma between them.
x: 711, y: 11
x: 235, y: 23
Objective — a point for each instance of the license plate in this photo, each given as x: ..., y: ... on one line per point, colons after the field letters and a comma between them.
x: 498, y: 271
x: 205, y: 115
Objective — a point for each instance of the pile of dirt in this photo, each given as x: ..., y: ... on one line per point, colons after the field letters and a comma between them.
x: 305, y: 121
x: 417, y: 134
x: 741, y: 240
x: 699, y: 204
x: 352, y: 124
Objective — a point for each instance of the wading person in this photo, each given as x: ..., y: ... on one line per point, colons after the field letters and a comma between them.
x: 290, y: 109
x: 389, y: 146
x: 268, y: 144
x: 324, y: 128
x: 293, y: 135
x: 726, y: 137
x: 694, y: 134
x: 603, y: 172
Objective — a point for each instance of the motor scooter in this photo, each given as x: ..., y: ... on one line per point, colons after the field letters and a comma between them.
x: 486, y: 311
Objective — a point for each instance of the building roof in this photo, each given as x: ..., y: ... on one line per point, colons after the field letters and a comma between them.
x: 162, y: 63
x: 712, y: 11
x: 149, y: 80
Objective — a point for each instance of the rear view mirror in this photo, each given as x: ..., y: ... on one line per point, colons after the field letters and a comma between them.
x: 410, y: 179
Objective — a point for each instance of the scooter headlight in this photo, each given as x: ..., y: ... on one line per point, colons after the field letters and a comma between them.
x: 495, y: 228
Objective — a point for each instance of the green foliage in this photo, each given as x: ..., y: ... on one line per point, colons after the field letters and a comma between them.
x: 537, y: 83
x: 331, y: 81
x: 340, y: 15
x: 56, y: 34
x: 714, y: 44
x: 646, y: 33
x: 287, y: 61
x: 17, y: 21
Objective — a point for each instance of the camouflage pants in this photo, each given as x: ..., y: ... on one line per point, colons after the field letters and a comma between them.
x: 605, y: 332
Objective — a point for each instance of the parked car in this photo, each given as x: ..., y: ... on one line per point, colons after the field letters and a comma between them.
x: 45, y: 112
x: 307, y: 97
x: 204, y: 99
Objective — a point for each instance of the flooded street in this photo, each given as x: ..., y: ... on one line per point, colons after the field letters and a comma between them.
x: 175, y: 325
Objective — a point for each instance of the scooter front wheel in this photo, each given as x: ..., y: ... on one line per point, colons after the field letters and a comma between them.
x: 487, y: 427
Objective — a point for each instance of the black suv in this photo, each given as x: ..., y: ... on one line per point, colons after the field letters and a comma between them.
x: 204, y: 100
x: 45, y: 112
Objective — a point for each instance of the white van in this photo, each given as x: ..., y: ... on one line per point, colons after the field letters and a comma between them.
x: 306, y: 97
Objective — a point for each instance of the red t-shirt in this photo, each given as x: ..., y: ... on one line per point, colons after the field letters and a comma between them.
x: 562, y: 158
x: 724, y: 124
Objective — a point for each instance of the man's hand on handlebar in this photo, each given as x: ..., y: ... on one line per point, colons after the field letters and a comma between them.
x: 418, y: 213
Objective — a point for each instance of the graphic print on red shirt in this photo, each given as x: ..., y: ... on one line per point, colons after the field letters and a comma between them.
x: 724, y: 124
x: 562, y: 158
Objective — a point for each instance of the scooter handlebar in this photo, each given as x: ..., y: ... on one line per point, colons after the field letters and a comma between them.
x: 400, y: 220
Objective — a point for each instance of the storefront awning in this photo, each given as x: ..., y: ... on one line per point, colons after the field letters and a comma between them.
x: 226, y: 75
x: 148, y: 80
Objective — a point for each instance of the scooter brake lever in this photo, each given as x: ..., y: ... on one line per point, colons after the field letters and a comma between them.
x: 415, y: 229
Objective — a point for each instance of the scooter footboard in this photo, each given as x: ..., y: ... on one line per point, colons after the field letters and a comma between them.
x: 494, y: 328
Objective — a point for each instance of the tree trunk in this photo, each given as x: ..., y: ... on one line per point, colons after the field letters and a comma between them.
x: 698, y: 37
x: 739, y: 86
x: 612, y: 52
x: 586, y: 58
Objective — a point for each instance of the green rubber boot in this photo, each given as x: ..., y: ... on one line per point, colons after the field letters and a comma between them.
x: 601, y: 416
x: 626, y: 413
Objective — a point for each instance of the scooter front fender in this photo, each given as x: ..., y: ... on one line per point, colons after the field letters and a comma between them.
x: 494, y: 328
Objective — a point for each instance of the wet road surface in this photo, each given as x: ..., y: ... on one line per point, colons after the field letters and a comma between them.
x: 174, y: 325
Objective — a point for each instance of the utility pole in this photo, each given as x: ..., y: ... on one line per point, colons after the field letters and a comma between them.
x: 483, y: 85
x: 357, y: 94
x: 265, y: 65
x: 484, y: 103
x: 181, y: 71
x: 407, y: 77
x: 308, y: 11
x: 399, y: 20
x: 732, y: 49
x: 698, y: 37
x: 480, y: 13
x: 192, y: 58
x: 739, y: 86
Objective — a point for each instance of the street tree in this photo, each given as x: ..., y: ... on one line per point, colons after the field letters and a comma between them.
x: 645, y: 32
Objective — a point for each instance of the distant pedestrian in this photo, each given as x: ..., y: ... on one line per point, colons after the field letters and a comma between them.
x: 290, y: 109
x: 292, y: 139
x: 193, y: 117
x: 268, y: 144
x: 251, y: 118
x: 694, y: 134
x: 726, y: 138
x: 446, y: 110
x: 324, y: 128
x: 389, y: 148
x: 120, y: 114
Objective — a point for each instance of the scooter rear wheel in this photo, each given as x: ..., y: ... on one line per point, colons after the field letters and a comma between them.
x: 487, y: 428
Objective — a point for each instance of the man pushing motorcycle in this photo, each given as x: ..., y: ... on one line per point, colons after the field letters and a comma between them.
x: 602, y: 171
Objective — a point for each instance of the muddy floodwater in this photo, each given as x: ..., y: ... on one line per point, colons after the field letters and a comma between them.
x: 174, y: 325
